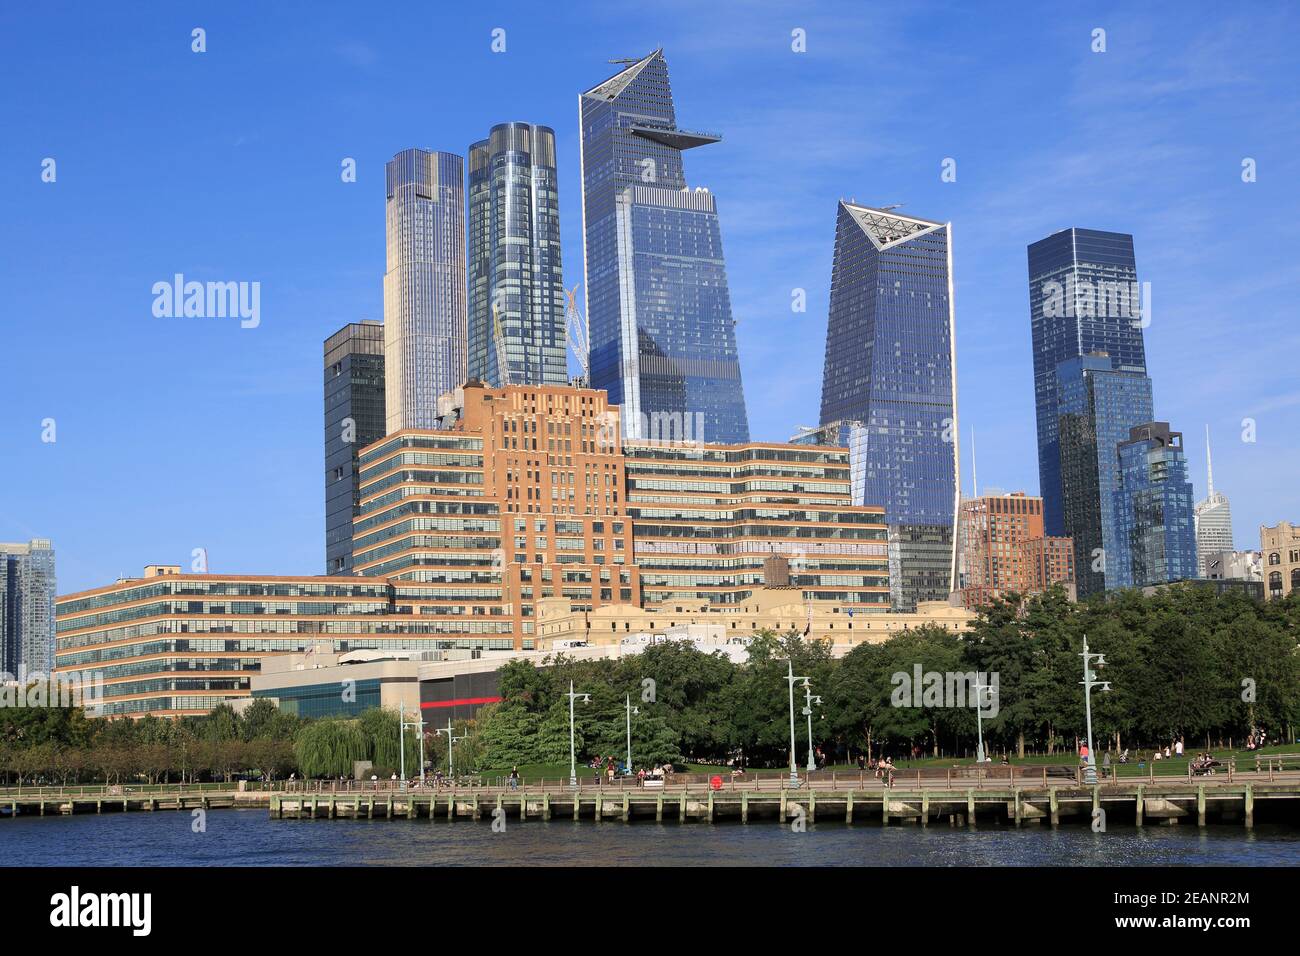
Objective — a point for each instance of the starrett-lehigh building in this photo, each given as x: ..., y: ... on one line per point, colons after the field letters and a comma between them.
x: 525, y: 493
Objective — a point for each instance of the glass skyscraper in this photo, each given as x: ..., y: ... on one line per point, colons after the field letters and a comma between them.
x: 1155, y: 539
x: 1097, y: 406
x: 424, y: 287
x: 662, y: 338
x: 891, y: 366
x: 1083, y: 299
x: 515, y: 279
x: 354, y: 417
x: 27, y: 586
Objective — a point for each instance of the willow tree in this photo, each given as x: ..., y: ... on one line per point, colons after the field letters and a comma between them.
x: 330, y: 748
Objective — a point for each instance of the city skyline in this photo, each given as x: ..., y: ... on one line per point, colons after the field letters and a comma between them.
x: 253, y: 393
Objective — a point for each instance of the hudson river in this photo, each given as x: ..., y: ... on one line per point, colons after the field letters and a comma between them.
x: 251, y: 838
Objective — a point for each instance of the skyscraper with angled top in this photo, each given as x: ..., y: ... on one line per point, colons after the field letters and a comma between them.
x: 891, y: 365
x: 662, y: 337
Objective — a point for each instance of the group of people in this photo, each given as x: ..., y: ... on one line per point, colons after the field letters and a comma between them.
x: 1256, y: 739
x: 1171, y: 750
x: 1204, y: 762
x: 610, y: 767
x: 881, y: 767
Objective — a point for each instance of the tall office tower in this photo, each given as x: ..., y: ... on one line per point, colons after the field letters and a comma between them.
x: 424, y: 287
x: 891, y: 364
x: 663, y: 342
x: 27, y: 608
x: 1083, y: 299
x: 1213, y: 517
x: 1097, y: 406
x: 1004, y: 550
x: 516, y: 289
x: 354, y: 417
x: 1153, y: 509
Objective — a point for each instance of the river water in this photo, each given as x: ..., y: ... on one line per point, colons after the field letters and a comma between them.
x: 252, y: 838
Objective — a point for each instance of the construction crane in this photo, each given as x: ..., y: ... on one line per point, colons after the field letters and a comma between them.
x: 499, y: 339
x: 578, y: 335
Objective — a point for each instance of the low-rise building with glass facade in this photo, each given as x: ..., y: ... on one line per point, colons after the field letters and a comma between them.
x: 1155, y: 534
x: 174, y: 644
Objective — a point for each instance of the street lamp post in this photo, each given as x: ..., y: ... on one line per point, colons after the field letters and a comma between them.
x: 1089, y: 682
x: 573, y: 759
x: 401, y: 741
x: 403, y: 723
x: 452, y: 740
x: 790, y: 678
x: 979, y: 719
x: 630, y: 711
x: 809, y: 699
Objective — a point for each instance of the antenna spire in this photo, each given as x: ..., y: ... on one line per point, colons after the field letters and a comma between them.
x: 1209, y: 465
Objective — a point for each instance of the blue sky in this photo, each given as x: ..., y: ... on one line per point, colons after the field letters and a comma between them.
x: 176, y: 434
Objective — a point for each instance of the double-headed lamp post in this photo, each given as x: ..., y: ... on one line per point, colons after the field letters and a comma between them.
x: 403, y: 723
x: 1089, y: 682
x: 809, y: 699
x: 452, y: 740
x: 630, y: 711
x: 979, y: 719
x: 791, y: 678
x: 573, y: 757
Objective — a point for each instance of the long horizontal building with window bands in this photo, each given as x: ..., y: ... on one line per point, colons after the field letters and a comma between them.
x: 705, y: 518
x: 523, y: 494
x: 518, y: 498
x: 173, y: 644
